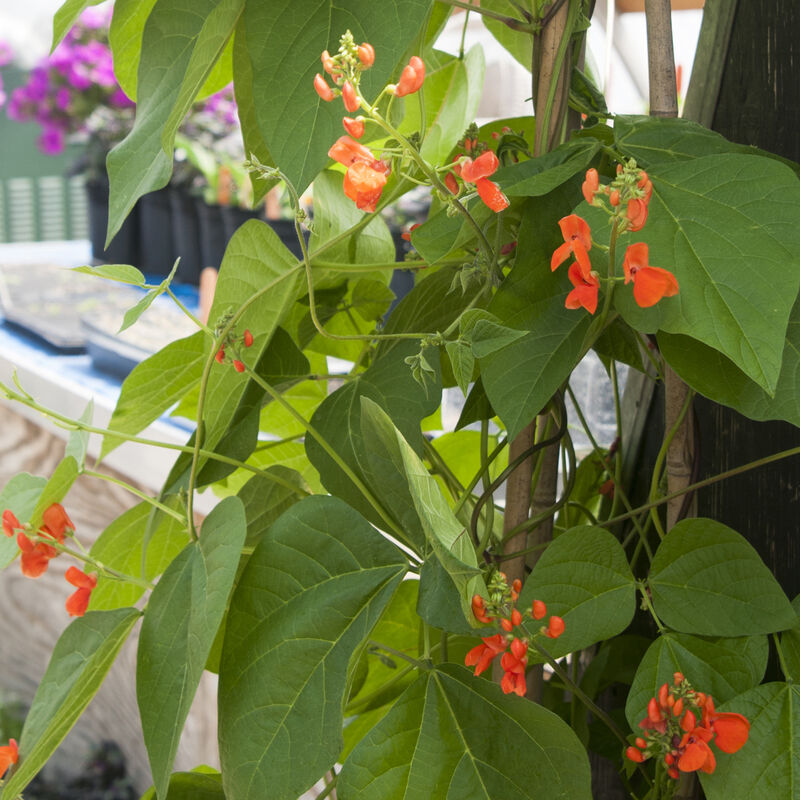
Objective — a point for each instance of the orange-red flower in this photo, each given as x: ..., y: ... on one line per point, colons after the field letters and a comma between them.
x: 555, y: 627
x: 586, y: 288
x: 478, y: 172
x: 538, y: 609
x: 10, y: 523
x: 35, y: 557
x: 366, y: 55
x: 481, y: 656
x: 696, y: 752
x: 350, y: 98
x: 347, y: 152
x: 634, y: 754
x: 56, y: 521
x: 9, y: 754
x: 355, y: 127
x: 363, y: 184
x: 731, y: 729
x: 636, y: 214
x: 411, y: 78
x: 650, y: 284
x: 513, y: 664
x: 577, y: 240
x: 78, y: 601
x: 590, y: 185
x: 322, y: 89
x: 479, y: 609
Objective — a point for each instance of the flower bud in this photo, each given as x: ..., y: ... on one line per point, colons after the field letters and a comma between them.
x: 507, y: 625
x: 516, y: 617
x: 634, y: 755
x: 322, y: 88
x: 238, y: 365
x: 248, y: 338
x: 663, y: 694
x: 678, y: 678
x: 555, y: 627
x: 351, y: 102
x: 539, y: 609
x: 355, y: 127
x: 366, y: 55
x: 451, y: 183
x: 220, y: 356
x: 641, y: 743
x: 327, y: 62
x: 673, y: 773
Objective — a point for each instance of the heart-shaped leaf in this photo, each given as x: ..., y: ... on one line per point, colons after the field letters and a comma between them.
x: 708, y: 580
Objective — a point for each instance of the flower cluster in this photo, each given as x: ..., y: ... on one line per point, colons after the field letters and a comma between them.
x: 628, y: 197
x: 67, y: 86
x: 38, y: 548
x: 475, y: 168
x: 680, y: 726
x: 502, y: 605
x: 9, y: 755
x: 232, y: 343
x: 366, y: 174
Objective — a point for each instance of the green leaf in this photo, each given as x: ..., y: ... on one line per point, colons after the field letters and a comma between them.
x: 452, y: 93
x: 174, y: 369
x: 371, y: 299
x: 125, y: 38
x: 180, y: 623
x: 618, y: 342
x: 120, y: 545
x: 487, y: 337
x: 452, y: 736
x: 64, y: 475
x: 132, y: 314
x: 20, y: 496
x: 120, y: 273
x: 389, y: 383
x: 462, y: 361
x: 720, y: 219
x: 521, y: 378
x: 539, y: 176
x: 334, y: 214
x: 708, y: 580
x: 81, y: 658
x: 583, y: 576
x: 518, y: 43
x: 718, y: 378
x: 443, y: 233
x: 255, y: 263
x: 78, y: 442
x: 178, y: 51
x: 660, y: 140
x: 429, y: 306
x: 265, y: 500
x: 287, y: 650
x: 66, y: 16
x: 417, y: 501
x: 190, y: 786
x: 790, y: 645
x: 768, y: 766
x: 294, y: 123
x: 723, y: 668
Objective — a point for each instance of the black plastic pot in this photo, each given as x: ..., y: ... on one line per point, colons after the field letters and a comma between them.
x: 234, y: 217
x: 156, y: 250
x: 212, y: 234
x: 124, y: 247
x: 186, y: 236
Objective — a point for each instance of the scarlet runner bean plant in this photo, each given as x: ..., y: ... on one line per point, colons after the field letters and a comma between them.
x: 377, y: 620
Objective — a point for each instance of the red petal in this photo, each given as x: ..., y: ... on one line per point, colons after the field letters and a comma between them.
x: 636, y: 257
x: 80, y: 579
x: 490, y: 193
x: 695, y: 756
x: 348, y: 152
x: 575, y: 227
x: 732, y: 731
x: 651, y: 284
x: 78, y: 602
x: 560, y: 255
x: 482, y: 167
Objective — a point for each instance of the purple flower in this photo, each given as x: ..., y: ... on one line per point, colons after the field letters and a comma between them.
x: 94, y: 18
x: 51, y: 140
x: 6, y: 53
x: 63, y: 98
x: 119, y: 99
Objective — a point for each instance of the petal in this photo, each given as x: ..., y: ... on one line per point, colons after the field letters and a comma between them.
x: 490, y: 193
x: 78, y: 602
x: 582, y: 297
x: 636, y: 257
x: 637, y: 214
x: 582, y: 257
x: 732, y: 731
x: 483, y: 166
x: 560, y: 255
x: 694, y: 757
x: 34, y: 563
x: 651, y: 284
x: 575, y: 227
x: 80, y: 579
x: 348, y: 152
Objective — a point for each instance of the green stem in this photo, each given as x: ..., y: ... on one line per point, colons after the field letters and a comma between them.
x: 338, y: 267
x: 338, y: 460
x: 618, y: 419
x: 137, y: 492
x: 662, y: 455
x: 511, y: 22
x: 415, y: 662
x: 781, y: 660
x: 68, y: 423
x: 87, y: 559
x: 463, y: 35
x: 329, y: 787
x: 648, y: 604
x: 188, y: 313
x: 482, y: 472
